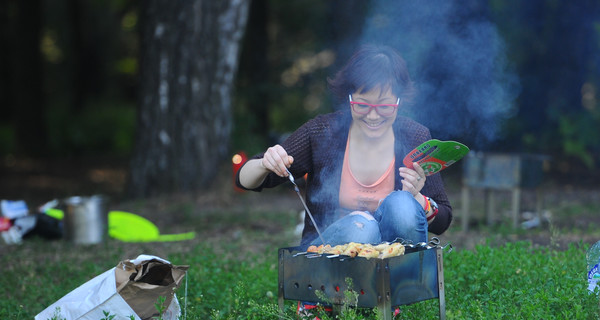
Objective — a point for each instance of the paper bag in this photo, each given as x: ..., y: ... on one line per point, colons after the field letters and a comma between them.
x: 142, y: 281
x: 129, y: 290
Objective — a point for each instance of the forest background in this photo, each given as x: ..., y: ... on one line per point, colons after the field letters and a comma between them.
x: 96, y: 93
x: 516, y: 76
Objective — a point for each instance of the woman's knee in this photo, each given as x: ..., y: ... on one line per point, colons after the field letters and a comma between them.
x: 399, y: 198
x: 352, y: 228
x: 364, y: 214
x: 402, y: 216
x: 398, y: 203
x: 363, y: 222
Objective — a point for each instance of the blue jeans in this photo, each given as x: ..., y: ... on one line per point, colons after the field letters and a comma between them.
x: 399, y: 215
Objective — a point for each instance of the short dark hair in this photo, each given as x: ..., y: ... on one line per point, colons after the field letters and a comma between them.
x: 370, y: 67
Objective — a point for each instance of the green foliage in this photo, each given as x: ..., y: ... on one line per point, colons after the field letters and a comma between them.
x: 580, y: 135
x: 108, y: 316
x: 160, y: 307
x: 348, y: 308
x: 102, y: 128
x: 230, y: 285
x: 512, y: 281
x: 7, y: 139
x: 56, y: 315
x: 519, y: 281
x: 286, y: 85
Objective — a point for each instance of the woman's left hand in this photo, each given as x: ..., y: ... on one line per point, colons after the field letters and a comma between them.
x: 413, y: 179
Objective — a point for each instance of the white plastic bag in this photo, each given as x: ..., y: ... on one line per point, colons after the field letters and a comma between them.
x: 130, y: 289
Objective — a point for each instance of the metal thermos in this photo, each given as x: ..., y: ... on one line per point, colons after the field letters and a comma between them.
x: 86, y: 219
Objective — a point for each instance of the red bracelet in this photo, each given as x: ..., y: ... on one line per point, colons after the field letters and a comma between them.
x: 427, y: 207
x: 435, y: 212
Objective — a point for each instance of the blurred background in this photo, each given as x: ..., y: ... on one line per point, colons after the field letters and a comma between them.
x: 142, y: 98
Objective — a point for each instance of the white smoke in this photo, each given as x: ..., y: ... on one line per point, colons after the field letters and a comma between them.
x: 457, y: 59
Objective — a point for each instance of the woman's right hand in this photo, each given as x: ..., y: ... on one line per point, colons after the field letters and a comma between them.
x: 277, y: 160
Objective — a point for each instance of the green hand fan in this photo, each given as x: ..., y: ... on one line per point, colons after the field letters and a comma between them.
x: 435, y: 155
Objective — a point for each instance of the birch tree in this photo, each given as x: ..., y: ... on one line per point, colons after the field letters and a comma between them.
x: 189, y: 56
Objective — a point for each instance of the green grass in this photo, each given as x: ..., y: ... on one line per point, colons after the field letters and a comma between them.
x: 514, y: 281
x: 233, y: 272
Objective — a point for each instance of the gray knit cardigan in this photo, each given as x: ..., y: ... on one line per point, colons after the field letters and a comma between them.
x: 318, y: 149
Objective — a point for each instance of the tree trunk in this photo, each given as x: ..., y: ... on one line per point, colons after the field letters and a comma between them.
x: 189, y: 55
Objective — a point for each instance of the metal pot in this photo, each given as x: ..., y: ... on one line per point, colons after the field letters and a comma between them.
x: 86, y: 219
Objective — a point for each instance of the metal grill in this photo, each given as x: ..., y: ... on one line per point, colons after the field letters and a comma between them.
x: 415, y: 276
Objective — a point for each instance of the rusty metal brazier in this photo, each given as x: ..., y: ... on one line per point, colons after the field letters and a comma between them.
x: 415, y: 276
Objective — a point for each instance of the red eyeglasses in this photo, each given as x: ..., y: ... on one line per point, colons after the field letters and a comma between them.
x: 384, y: 110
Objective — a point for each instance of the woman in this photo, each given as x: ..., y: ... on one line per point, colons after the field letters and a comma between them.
x: 357, y: 187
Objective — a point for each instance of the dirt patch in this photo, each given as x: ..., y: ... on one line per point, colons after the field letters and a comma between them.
x: 40, y: 180
x: 571, y: 211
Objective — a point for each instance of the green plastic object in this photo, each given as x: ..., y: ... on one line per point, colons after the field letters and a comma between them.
x: 129, y: 227
x: 435, y: 155
x: 55, y: 213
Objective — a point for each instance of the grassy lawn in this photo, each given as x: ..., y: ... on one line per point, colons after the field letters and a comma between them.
x: 501, y: 274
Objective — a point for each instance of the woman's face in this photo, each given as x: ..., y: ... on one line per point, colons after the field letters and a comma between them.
x: 374, y: 121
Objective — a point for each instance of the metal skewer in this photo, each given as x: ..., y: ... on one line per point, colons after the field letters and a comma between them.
x: 293, y: 181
